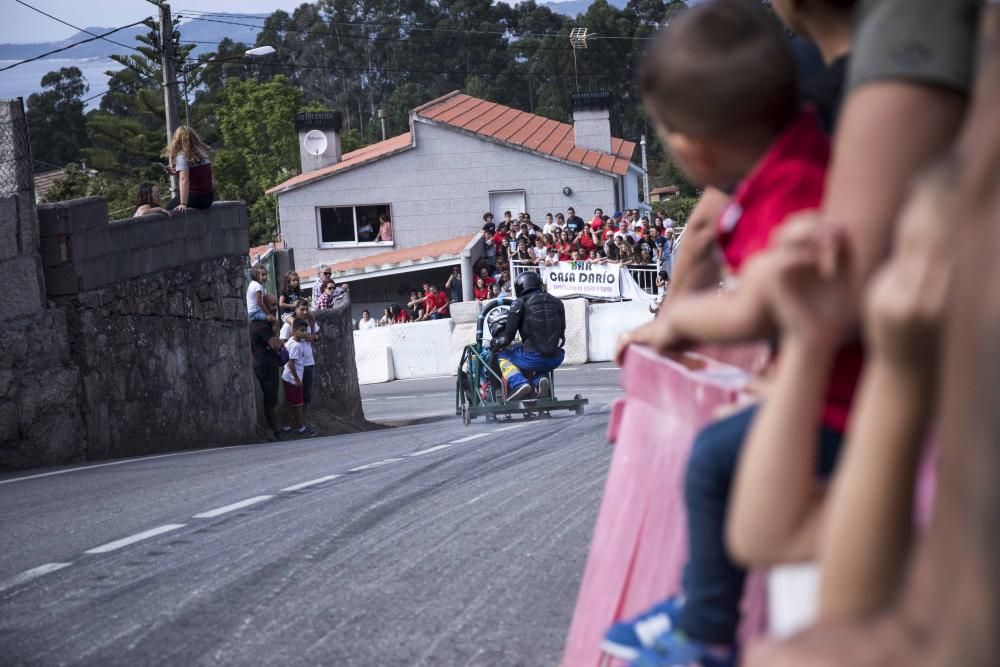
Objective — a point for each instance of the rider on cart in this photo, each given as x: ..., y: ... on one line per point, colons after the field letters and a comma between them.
x: 540, y: 318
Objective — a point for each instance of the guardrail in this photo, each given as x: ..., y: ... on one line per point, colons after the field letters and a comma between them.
x: 644, y: 274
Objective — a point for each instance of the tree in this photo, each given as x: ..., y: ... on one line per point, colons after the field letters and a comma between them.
x: 56, y: 124
x: 259, y: 146
x: 77, y: 183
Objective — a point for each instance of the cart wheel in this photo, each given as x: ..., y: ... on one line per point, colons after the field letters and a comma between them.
x: 466, y: 417
x: 579, y: 408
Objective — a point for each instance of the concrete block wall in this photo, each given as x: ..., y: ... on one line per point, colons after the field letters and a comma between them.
x: 82, y: 251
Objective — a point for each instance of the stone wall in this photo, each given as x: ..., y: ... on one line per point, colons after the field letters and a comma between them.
x: 157, y: 324
x: 39, y: 413
x: 336, y: 394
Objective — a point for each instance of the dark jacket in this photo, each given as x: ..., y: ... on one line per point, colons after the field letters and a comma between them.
x: 541, y: 319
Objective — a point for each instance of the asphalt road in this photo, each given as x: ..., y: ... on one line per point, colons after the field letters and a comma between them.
x: 428, y: 544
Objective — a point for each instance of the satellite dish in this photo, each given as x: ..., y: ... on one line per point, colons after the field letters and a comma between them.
x: 314, y: 142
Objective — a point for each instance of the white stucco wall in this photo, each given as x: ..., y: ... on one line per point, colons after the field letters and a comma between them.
x: 632, y: 187
x: 439, y: 190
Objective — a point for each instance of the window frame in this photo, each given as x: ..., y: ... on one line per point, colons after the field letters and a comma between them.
x: 325, y: 245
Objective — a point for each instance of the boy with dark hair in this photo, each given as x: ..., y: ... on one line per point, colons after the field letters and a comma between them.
x: 721, y: 86
x: 293, y: 374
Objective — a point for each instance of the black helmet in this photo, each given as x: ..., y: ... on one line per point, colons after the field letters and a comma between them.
x: 527, y: 282
x: 496, y: 320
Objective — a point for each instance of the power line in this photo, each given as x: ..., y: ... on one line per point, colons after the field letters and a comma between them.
x: 59, y: 20
x: 75, y: 44
x: 202, y: 16
x: 402, y: 70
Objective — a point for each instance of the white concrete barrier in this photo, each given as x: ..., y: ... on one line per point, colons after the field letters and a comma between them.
x: 607, y: 321
x: 421, y: 349
x: 373, y: 356
x: 465, y: 312
x: 577, y: 331
x: 461, y: 335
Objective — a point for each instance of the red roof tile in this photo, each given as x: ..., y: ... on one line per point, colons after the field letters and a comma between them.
x: 431, y: 251
x: 486, y: 119
x: 350, y: 160
x: 529, y: 131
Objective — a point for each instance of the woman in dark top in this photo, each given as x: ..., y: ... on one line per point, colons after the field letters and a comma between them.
x: 188, y: 158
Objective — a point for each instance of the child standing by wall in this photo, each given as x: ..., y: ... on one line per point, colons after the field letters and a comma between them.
x: 293, y: 374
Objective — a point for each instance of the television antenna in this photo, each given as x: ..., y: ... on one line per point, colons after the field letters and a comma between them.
x: 578, y: 40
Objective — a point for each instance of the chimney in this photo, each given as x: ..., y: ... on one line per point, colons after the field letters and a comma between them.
x: 319, y: 139
x: 592, y: 120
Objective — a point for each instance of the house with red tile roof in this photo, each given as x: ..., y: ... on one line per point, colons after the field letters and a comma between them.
x: 462, y: 157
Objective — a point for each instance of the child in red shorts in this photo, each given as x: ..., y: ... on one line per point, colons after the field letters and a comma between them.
x: 293, y: 374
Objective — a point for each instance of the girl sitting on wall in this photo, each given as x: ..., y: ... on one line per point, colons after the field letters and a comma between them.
x: 188, y: 157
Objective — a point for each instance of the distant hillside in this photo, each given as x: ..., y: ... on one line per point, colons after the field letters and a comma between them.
x: 199, y: 31
x: 577, y: 7
x: 192, y: 31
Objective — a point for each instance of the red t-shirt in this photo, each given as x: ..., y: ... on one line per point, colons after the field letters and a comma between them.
x: 499, y: 239
x: 788, y: 179
x: 488, y: 280
x: 439, y: 299
x: 596, y: 223
x: 481, y: 294
x: 586, y: 242
x: 564, y: 249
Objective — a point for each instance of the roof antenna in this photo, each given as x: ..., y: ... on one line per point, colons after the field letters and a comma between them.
x: 578, y: 40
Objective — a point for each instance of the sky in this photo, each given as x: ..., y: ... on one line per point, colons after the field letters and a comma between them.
x: 19, y: 24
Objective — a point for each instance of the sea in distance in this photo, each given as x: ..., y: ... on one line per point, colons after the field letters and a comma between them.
x: 23, y: 80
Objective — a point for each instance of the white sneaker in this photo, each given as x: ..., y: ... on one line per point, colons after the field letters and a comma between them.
x: 544, y: 388
x: 521, y: 393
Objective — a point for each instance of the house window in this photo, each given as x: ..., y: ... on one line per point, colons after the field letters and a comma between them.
x: 351, y: 226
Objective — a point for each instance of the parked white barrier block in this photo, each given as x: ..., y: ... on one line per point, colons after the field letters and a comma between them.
x: 421, y: 349
x: 577, y: 335
x: 461, y: 335
x: 465, y: 312
x: 607, y: 321
x: 793, y: 592
x: 373, y: 356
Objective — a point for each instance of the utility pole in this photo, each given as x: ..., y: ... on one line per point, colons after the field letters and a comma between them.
x: 645, y: 174
x: 169, y: 78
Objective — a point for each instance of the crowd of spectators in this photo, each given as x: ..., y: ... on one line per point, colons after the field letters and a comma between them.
x: 622, y: 238
x: 858, y: 240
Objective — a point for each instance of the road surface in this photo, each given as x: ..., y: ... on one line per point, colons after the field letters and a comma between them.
x: 427, y: 544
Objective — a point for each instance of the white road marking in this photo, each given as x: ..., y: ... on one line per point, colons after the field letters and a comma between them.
x: 312, y: 482
x: 377, y: 464
x: 130, y: 460
x: 138, y: 537
x: 397, y: 398
x: 33, y: 573
x: 419, y: 416
x: 509, y: 428
x: 211, y: 514
x: 428, y: 451
x: 467, y: 438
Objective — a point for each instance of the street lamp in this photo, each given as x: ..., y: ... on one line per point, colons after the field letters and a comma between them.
x: 256, y: 52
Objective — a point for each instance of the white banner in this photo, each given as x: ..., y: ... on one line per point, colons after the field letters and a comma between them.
x: 594, y: 281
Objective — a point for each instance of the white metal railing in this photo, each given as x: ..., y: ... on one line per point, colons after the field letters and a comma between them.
x: 644, y: 274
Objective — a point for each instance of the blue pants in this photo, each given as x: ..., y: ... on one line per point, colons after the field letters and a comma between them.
x: 515, y: 361
x: 713, y: 583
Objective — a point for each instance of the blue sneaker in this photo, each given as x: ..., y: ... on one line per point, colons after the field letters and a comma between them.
x: 625, y: 640
x: 676, y: 649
